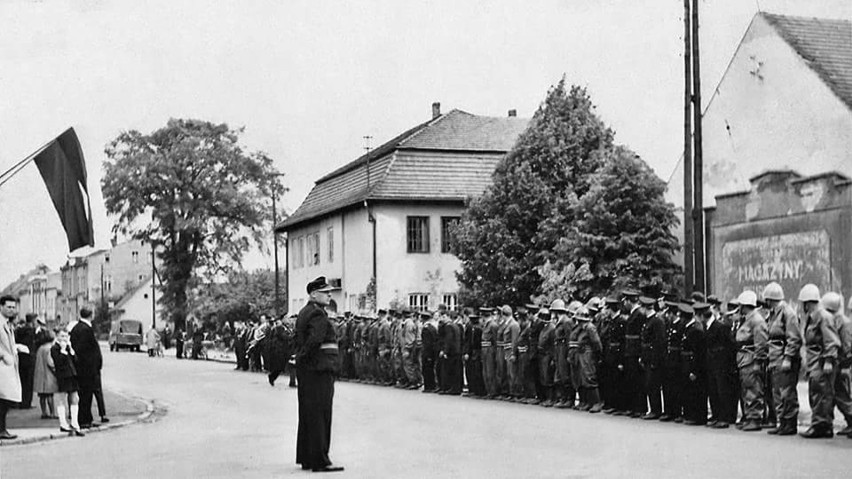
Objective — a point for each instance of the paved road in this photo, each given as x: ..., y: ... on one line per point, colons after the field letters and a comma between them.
x: 222, y: 423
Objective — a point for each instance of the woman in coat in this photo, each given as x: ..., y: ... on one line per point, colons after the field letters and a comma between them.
x: 44, y: 382
x: 62, y: 357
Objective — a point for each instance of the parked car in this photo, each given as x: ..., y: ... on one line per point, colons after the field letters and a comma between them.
x: 125, y: 333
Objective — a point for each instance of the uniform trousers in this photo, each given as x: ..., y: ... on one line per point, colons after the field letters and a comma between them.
x: 673, y: 388
x: 316, y: 395
x: 769, y: 415
x: 751, y: 392
x: 653, y: 388
x: 428, y: 371
x: 720, y: 392
x: 527, y: 373
x: 411, y: 365
x: 784, y: 393
x: 513, y: 377
x: 451, y: 372
x: 821, y: 398
x: 843, y: 393
x: 634, y: 395
x: 489, y: 369
x: 695, y: 399
x: 500, y: 379
x: 473, y: 370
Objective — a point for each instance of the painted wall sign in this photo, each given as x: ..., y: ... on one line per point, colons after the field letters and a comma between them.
x: 792, y: 260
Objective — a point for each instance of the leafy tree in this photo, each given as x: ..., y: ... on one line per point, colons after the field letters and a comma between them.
x: 619, y: 233
x: 499, y: 239
x: 243, y: 297
x: 195, y: 193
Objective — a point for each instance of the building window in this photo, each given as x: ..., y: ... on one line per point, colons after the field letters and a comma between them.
x: 330, y: 244
x: 135, y: 256
x: 418, y: 301
x: 418, y: 234
x: 313, y: 249
x: 299, y: 251
x: 108, y: 284
x: 451, y: 300
x: 446, y: 223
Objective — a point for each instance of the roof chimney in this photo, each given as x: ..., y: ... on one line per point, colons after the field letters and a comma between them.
x: 513, y: 113
x: 436, y: 109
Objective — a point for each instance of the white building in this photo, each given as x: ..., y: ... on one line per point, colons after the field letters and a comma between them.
x: 138, y: 303
x: 784, y: 103
x: 385, y: 215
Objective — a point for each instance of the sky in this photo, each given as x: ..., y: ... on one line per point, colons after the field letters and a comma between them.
x: 308, y: 79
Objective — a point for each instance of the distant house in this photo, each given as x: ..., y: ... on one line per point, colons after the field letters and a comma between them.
x: 784, y: 102
x: 39, y: 292
x: 138, y: 303
x: 386, y: 214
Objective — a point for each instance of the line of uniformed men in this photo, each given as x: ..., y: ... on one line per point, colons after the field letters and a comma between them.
x: 656, y: 359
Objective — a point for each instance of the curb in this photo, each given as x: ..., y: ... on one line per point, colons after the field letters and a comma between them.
x: 150, y: 409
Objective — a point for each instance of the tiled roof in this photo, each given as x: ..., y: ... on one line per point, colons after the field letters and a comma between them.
x: 826, y: 45
x: 464, y: 150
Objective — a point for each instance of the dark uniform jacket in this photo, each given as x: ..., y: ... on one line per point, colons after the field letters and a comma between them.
x: 694, y: 348
x: 313, y: 330
x: 654, y: 342
x: 633, y: 333
x: 451, y: 340
x: 429, y: 336
x: 89, y: 359
x: 614, y: 352
x: 721, y: 348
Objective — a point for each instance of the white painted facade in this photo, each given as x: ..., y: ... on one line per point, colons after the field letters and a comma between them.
x: 137, y: 304
x: 771, y: 111
x: 429, y: 277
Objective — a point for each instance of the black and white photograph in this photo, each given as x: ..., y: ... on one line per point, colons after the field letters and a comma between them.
x: 425, y: 239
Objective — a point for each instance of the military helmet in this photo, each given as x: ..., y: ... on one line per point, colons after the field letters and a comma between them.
x: 574, y: 307
x: 557, y: 306
x: 506, y: 310
x: 748, y: 298
x: 582, y: 314
x: 773, y: 291
x: 809, y: 292
x: 832, y: 302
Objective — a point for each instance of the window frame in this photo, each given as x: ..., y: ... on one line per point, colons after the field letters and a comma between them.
x: 411, y: 241
x: 446, y: 221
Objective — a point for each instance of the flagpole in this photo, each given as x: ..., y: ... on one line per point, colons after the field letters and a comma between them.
x: 14, y: 170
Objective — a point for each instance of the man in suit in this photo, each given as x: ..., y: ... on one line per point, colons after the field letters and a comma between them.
x: 694, y: 365
x: 316, y: 365
x: 429, y: 336
x: 10, y: 381
x: 25, y: 335
x: 89, y: 364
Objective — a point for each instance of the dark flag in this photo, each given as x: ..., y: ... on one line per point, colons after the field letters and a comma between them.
x: 63, y: 169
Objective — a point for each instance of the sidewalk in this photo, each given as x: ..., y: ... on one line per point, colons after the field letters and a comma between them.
x: 29, y: 427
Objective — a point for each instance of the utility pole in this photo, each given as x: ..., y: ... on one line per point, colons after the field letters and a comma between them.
x: 153, y: 288
x: 275, y: 248
x: 688, y: 223
x: 698, y: 163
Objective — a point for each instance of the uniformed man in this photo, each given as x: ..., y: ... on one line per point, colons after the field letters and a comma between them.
x: 536, y: 326
x: 343, y: 342
x: 429, y: 354
x: 822, y: 344
x: 751, y: 358
x: 785, y: 344
x: 410, y: 343
x: 673, y: 364
x: 652, y: 359
x: 589, y: 347
x: 489, y: 352
x: 612, y: 365
x: 526, y: 372
x: 316, y: 361
x: 511, y: 336
x: 721, y: 360
x: 385, y: 345
x: 695, y: 377
x: 473, y: 357
x: 358, y: 346
x: 563, y: 382
x: 451, y: 357
x: 833, y: 303
x: 634, y: 396
x: 501, y: 377
x: 546, y: 354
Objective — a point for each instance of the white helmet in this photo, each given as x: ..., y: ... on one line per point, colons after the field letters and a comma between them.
x: 832, y: 302
x: 773, y: 291
x: 748, y: 298
x: 809, y: 292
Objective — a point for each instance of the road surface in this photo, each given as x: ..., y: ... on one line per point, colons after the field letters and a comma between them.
x: 223, y: 423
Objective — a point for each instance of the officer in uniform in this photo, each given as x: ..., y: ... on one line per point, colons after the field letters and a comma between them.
x: 612, y: 340
x: 563, y: 382
x: 652, y: 358
x: 429, y: 354
x: 385, y: 346
x: 822, y: 344
x: 473, y: 357
x: 785, y: 344
x: 500, y: 357
x: 751, y: 355
x: 451, y: 357
x: 721, y: 351
x: 511, y: 335
x: 634, y: 396
x: 589, y: 347
x: 526, y: 372
x: 833, y: 303
x: 410, y: 343
x: 536, y: 326
x: 316, y: 361
x: 489, y: 352
x: 693, y: 353
x: 546, y: 356
x: 673, y: 364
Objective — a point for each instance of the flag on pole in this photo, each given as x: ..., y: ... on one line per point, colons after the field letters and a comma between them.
x: 63, y: 169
